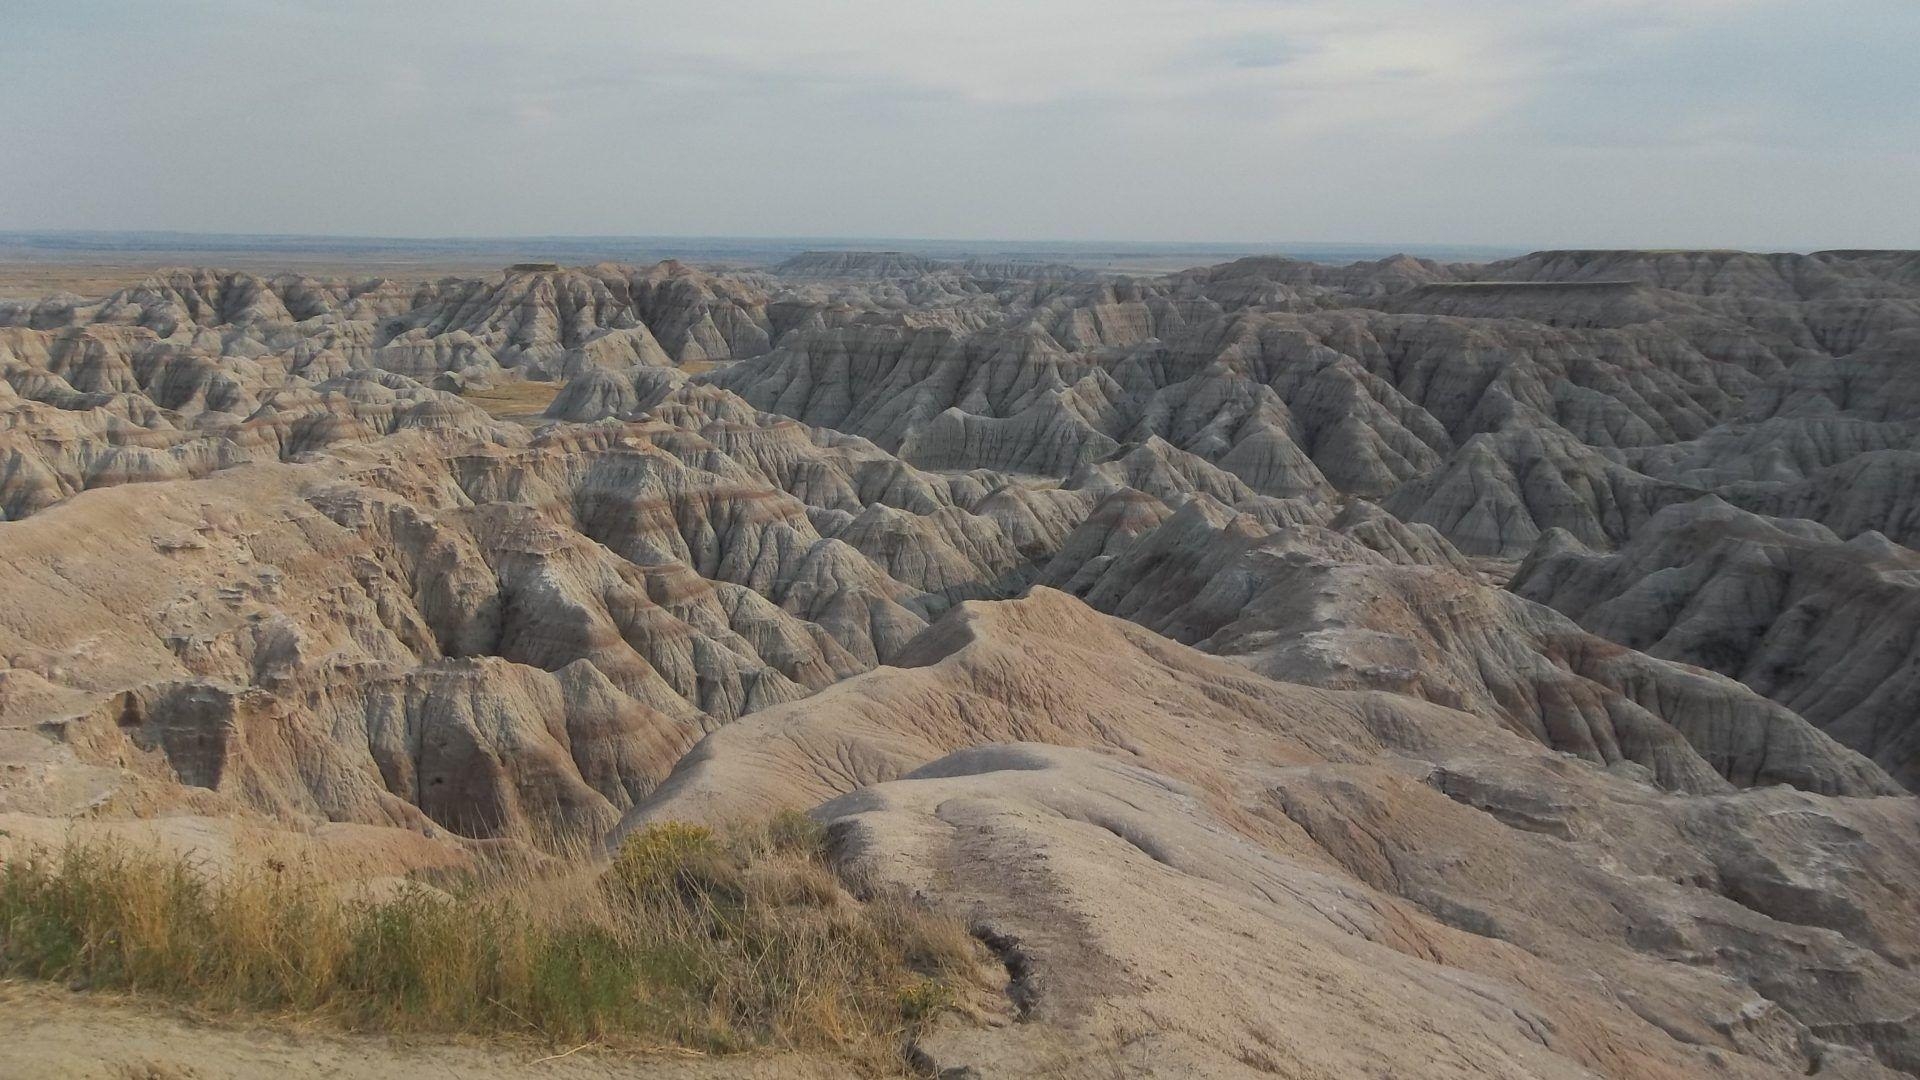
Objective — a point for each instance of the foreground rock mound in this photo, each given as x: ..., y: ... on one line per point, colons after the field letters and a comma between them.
x: 1208, y: 871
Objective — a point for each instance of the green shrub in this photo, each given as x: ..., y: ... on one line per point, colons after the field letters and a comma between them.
x: 791, y: 832
x: 666, y: 858
x: 923, y: 998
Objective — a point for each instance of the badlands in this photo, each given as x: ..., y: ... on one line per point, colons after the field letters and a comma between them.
x: 1399, y: 669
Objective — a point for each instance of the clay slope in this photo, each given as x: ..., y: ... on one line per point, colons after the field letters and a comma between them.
x: 1311, y: 607
x: 1148, y: 444
x: 1822, y: 625
x: 1209, y: 871
x: 503, y: 634
x: 1581, y: 392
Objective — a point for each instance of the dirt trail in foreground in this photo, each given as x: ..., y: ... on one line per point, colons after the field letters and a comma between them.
x: 53, y: 1034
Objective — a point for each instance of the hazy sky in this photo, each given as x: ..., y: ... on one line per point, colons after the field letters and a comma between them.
x: 1752, y: 123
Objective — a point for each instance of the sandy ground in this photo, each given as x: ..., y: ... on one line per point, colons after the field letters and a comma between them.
x: 523, y: 402
x: 54, y: 1034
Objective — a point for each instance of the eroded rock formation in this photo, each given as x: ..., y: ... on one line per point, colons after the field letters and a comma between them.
x: 1289, y: 669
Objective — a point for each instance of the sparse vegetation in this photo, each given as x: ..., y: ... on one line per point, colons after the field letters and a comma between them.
x: 514, y: 400
x: 717, y: 941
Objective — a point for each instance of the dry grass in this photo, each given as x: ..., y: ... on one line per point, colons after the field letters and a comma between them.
x: 712, y: 941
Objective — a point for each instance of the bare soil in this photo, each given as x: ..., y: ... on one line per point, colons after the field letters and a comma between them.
x: 59, y: 1033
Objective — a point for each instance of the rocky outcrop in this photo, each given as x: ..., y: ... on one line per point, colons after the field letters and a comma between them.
x: 1820, y: 625
x: 1501, y: 492
x: 1355, y: 863
x: 1313, y: 605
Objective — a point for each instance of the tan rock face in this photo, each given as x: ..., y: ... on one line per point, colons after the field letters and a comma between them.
x: 1288, y: 669
x: 1252, y: 876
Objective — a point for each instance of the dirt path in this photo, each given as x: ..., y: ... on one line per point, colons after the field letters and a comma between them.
x: 52, y: 1034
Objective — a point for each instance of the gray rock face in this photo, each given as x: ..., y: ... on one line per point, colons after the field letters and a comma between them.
x: 595, y: 394
x: 1785, y: 606
x: 1500, y: 493
x: 1312, y: 605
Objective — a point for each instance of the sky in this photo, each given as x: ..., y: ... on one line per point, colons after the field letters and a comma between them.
x: 1767, y: 124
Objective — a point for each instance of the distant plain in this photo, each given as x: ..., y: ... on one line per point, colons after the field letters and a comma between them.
x: 34, y: 264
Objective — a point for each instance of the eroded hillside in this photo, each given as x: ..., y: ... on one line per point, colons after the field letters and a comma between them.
x: 1286, y: 668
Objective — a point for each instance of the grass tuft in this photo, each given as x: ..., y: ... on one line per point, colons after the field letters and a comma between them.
x: 716, y: 941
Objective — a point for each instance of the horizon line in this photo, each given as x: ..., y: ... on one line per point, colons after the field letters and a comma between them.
x: 1167, y: 247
